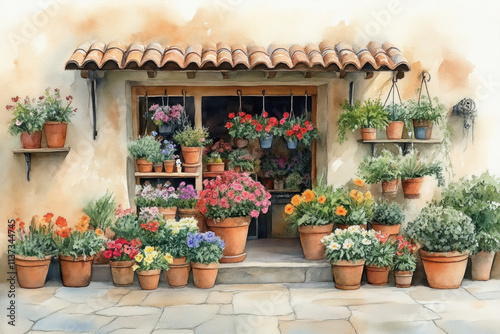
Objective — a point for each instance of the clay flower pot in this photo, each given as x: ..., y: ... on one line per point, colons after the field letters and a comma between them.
x: 347, y: 274
x: 32, y: 271
x: 411, y: 187
x: 481, y: 265
x: 158, y: 167
x: 186, y: 213
x: 403, y: 278
x: 310, y: 239
x: 240, y: 142
x: 204, y: 275
x: 390, y: 187
x: 368, y: 133
x: 394, y: 130
x: 278, y: 184
x: 149, y: 279
x: 444, y: 270
x: 31, y: 140
x: 377, y: 276
x: 169, y: 166
x: 55, y: 132
x: 122, y: 272
x: 144, y: 166
x: 168, y: 213
x: 233, y: 231
x: 422, y: 129
x: 76, y: 273
x: 190, y: 168
x: 177, y: 274
x: 391, y: 230
x: 215, y: 167
x: 345, y: 226
x: 191, y: 155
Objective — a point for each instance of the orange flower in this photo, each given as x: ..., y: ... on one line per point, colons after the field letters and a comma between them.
x: 61, y: 222
x: 354, y: 193
x: 63, y: 232
x: 322, y: 199
x: 341, y: 211
x: 21, y: 225
x: 359, y: 182
x: 98, y: 231
x: 289, y: 209
x: 48, y: 217
x: 83, y: 224
x: 308, y: 195
x: 368, y: 195
x: 296, y: 200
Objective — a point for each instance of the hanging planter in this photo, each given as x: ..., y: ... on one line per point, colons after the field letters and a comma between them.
x: 422, y: 129
x: 267, y: 141
x: 394, y: 131
x: 32, y: 271
x: 55, y: 132
x: 310, y: 240
x: 411, y: 187
x: 291, y: 143
x: 31, y: 140
x: 166, y: 129
x: 240, y: 142
x: 397, y: 114
x: 390, y: 187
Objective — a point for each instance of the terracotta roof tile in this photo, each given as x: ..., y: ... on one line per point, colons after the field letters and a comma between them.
x: 221, y: 56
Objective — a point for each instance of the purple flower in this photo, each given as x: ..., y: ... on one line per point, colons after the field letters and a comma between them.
x: 221, y: 243
x: 192, y: 240
x: 209, y: 236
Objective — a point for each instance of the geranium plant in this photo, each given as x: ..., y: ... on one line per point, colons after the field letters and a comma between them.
x: 204, y: 248
x: 297, y: 128
x: 233, y: 195
x: 370, y: 114
x: 144, y: 148
x: 385, y: 167
x: 356, y: 207
x: 405, y: 259
x: 187, y: 196
x: 121, y: 249
x: 79, y: 241
x: 175, y: 235
x: 28, y: 116
x: 240, y: 125
x: 38, y: 240
x: 150, y: 258
x: 264, y: 126
x: 126, y: 225
x: 222, y: 147
x: 54, y: 109
x: 163, y: 115
x: 388, y: 213
x: 381, y: 251
x: 346, y: 245
x: 193, y: 137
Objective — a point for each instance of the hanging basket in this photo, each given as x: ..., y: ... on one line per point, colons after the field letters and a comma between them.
x: 266, y: 142
x: 291, y: 143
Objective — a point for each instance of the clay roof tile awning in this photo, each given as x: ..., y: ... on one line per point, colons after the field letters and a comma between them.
x: 224, y: 57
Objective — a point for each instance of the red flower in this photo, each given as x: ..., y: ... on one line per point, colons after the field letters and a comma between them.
x: 273, y: 121
x: 306, y: 122
x: 248, y: 117
x: 300, y: 136
x: 289, y: 133
x: 61, y: 222
x: 41, y: 97
x: 242, y: 120
x: 108, y: 253
x: 9, y: 107
x: 268, y: 128
x: 117, y: 253
x: 229, y: 125
x: 303, y: 130
x: 258, y: 127
x: 309, y: 127
x: 15, y: 99
x: 241, y: 114
x: 231, y: 115
x: 296, y: 127
x: 286, y: 115
x: 254, y: 122
x: 265, y: 114
x: 48, y: 216
x: 282, y: 121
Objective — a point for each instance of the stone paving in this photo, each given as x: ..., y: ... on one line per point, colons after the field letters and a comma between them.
x: 257, y: 308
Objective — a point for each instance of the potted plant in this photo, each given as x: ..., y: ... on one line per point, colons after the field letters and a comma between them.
x: 157, y: 160
x: 296, y: 130
x: 265, y: 128
x: 214, y: 162
x: 311, y: 213
x: 175, y: 236
x: 477, y: 197
x: 58, y: 117
x: 424, y: 114
x: 293, y: 181
x: 169, y: 156
x: 149, y: 264
x: 121, y: 253
x: 223, y: 148
x: 405, y: 262
x: 28, y: 121
x: 398, y: 118
x: 446, y: 237
x: 126, y: 225
x: 368, y: 117
x: 191, y: 141
x: 163, y: 196
x: 34, y: 250
x: 143, y: 149
x: 241, y: 160
x: 240, y: 128
x: 346, y: 251
x: 77, y: 248
x: 413, y: 171
x: 167, y: 118
x: 204, y: 252
x: 151, y: 225
x: 387, y: 218
x: 187, y: 197
x: 379, y: 258
x: 355, y: 207
x: 276, y: 168
x: 382, y: 169
x: 229, y: 202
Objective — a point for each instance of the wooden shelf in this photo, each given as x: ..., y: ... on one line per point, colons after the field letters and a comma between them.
x: 44, y: 150
x: 165, y: 175
x: 212, y: 174
x: 402, y: 142
x: 282, y: 191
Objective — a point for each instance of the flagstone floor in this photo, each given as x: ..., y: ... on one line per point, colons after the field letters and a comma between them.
x: 258, y: 308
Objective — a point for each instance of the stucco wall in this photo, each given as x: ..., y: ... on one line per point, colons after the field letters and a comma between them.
x: 454, y: 43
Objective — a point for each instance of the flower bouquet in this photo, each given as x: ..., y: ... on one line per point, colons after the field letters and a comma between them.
x: 204, y: 252
x: 149, y: 264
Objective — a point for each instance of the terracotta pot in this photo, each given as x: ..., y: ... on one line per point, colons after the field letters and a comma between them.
x: 237, y: 169
x: 215, y: 167
x: 99, y: 258
x: 122, y: 272
x: 411, y: 187
x: 390, y: 187
x: 169, y: 166
x: 191, y: 155
x: 188, y: 168
x: 368, y: 134
x: 481, y: 265
x: 377, y: 276
x: 32, y: 271
x: 278, y: 185
x: 204, y: 275
x: 31, y: 140
x: 233, y: 231
x: 392, y: 230
x: 144, y: 166
x: 347, y: 274
x: 177, y: 274
x: 226, y: 164
x: 267, y: 182
x: 240, y: 142
x: 394, y: 130
x: 403, y: 278
x: 310, y: 239
x: 158, y: 167
x: 345, y: 226
x: 424, y: 124
x: 55, y: 132
x: 149, y: 279
x: 444, y: 270
x: 76, y: 273
x: 186, y: 213
x: 168, y: 213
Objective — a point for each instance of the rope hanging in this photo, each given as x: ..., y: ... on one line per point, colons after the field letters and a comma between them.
x: 263, y: 102
x: 240, y: 109
x: 422, y: 84
x: 292, y: 114
x: 393, y: 90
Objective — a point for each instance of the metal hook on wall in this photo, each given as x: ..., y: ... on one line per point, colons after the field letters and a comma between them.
x: 239, y: 95
x: 263, y: 100
x: 305, y: 108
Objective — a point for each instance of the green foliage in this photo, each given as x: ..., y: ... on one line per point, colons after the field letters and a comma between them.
x: 193, y: 137
x: 29, y: 116
x: 348, y: 245
x: 442, y: 229
x: 293, y: 181
x: 38, y: 241
x: 101, y: 211
x: 388, y: 214
x: 411, y: 167
x: 379, y: 169
x: 127, y: 227
x: 370, y: 114
x: 175, y: 236
x: 381, y: 252
x: 426, y: 110
x: 204, y: 248
x: 80, y: 243
x: 56, y: 112
x: 241, y: 158
x: 150, y: 258
x: 398, y: 113
x: 486, y: 242
x: 144, y: 148
x: 405, y: 259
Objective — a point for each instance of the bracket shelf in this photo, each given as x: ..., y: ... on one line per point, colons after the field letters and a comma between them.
x: 29, y: 151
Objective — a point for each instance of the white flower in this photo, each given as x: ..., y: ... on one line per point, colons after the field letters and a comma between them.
x: 334, y: 246
x: 339, y: 232
x: 354, y: 228
x: 366, y: 241
x: 348, y: 243
x: 18, y: 123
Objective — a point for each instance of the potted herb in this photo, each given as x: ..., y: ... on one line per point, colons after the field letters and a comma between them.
x: 167, y: 118
x: 121, y: 253
x: 446, y: 237
x: 204, y: 252
x: 265, y: 129
x: 398, y: 118
x: 191, y: 141
x: 77, y: 248
x: 296, y: 130
x: 413, y: 171
x: 387, y: 218
x: 379, y: 258
x: 143, y: 150
x: 168, y: 155
x: 28, y: 121
x: 382, y: 169
x: 368, y: 117
x: 424, y: 114
x: 405, y: 262
x: 241, y: 160
x: 346, y: 251
x: 240, y: 128
x: 58, y: 117
x: 228, y: 203
x: 149, y: 264
x: 187, y: 197
x: 33, y: 250
x: 214, y: 162
x: 355, y: 207
x: 311, y: 213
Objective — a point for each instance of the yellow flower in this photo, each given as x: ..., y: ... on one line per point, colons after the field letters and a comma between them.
x: 135, y: 267
x: 149, y: 259
x: 138, y: 257
x: 308, y: 195
x: 322, y: 199
x: 176, y: 230
x: 368, y: 195
x: 359, y: 182
x: 98, y: 231
x: 149, y: 249
x: 296, y: 200
x: 169, y: 258
x: 289, y: 209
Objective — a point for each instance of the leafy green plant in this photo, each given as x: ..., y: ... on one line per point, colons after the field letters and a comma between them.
x: 144, y: 148
x: 388, y: 214
x: 379, y: 169
x: 39, y: 240
x: 241, y: 158
x: 381, y: 251
x: 441, y: 229
x: 355, y: 207
x: 405, y: 259
x: 410, y: 168
x: 29, y: 116
x: 427, y: 110
x: 204, y: 248
x: 126, y: 225
x: 398, y: 113
x: 52, y: 104
x: 370, y: 114
x: 79, y: 241
x: 486, y: 242
x: 175, y: 236
x: 193, y: 137
x: 150, y: 258
x: 346, y: 245
x: 101, y: 211
x: 293, y: 181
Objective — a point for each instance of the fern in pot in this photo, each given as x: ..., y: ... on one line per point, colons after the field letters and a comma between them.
x: 382, y: 169
x: 368, y: 116
x: 413, y: 171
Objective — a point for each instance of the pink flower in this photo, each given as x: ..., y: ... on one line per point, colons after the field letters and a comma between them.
x: 223, y: 187
x: 257, y: 192
x: 264, y: 210
x: 18, y: 122
x: 108, y: 254
x: 254, y: 213
x: 251, y: 197
x: 230, y: 194
x: 111, y: 244
x: 259, y: 204
x: 238, y: 187
x: 245, y: 194
x: 237, y: 199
